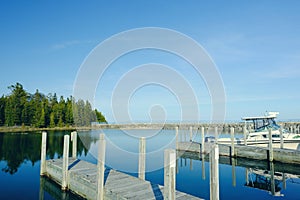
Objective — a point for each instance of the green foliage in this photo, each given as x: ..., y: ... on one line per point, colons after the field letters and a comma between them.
x: 15, y: 105
x: 69, y: 112
x: 83, y: 113
x: 37, y: 110
x: 2, y: 110
x: 100, y: 117
x: 52, y: 122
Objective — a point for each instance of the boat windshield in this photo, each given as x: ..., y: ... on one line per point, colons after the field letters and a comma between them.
x: 264, y: 124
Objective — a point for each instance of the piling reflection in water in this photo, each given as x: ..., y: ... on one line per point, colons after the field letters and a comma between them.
x: 265, y: 176
x: 48, y: 187
x: 265, y: 180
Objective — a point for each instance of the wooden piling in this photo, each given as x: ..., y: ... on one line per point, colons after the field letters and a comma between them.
x: 232, y: 141
x: 214, y: 173
x: 283, y: 181
x: 233, y: 172
x: 101, y: 167
x: 191, y: 164
x: 270, y: 146
x: 202, y: 139
x: 74, y: 144
x: 43, y: 153
x: 142, y: 158
x: 177, y: 168
x: 179, y: 137
x: 169, y: 174
x: 247, y: 176
x: 42, y: 185
x: 272, y: 178
x: 203, y: 166
x: 216, y: 134
x: 176, y: 135
x: 245, y: 135
x: 191, y: 134
x: 64, y: 183
x: 281, y: 138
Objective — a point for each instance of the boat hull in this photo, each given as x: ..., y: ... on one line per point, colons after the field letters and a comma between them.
x: 287, y: 144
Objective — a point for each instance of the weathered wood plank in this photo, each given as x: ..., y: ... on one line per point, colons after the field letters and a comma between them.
x: 242, y: 151
x: 117, y: 185
x: 148, y: 186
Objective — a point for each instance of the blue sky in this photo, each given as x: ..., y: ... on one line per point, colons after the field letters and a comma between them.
x: 254, y: 44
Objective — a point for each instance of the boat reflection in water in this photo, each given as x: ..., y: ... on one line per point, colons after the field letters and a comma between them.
x: 262, y: 176
x: 268, y: 180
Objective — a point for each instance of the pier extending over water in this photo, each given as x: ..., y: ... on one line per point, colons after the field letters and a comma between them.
x: 93, y: 181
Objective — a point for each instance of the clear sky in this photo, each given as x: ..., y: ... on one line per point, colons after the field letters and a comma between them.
x: 254, y: 44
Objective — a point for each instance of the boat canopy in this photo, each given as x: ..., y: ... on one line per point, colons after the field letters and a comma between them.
x: 263, y: 123
x: 270, y: 115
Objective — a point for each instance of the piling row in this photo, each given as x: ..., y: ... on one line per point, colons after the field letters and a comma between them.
x: 243, y: 149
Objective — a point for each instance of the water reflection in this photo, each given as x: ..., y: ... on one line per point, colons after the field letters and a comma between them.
x: 260, y: 175
x: 265, y: 180
x: 18, y: 148
x: 239, y: 178
x: 48, y: 187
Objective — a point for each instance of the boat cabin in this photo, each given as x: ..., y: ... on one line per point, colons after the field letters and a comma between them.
x: 263, y: 123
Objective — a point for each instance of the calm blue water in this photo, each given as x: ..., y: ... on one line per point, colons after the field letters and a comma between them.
x: 20, y: 165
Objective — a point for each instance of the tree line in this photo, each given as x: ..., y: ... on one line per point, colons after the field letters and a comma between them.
x: 21, y: 108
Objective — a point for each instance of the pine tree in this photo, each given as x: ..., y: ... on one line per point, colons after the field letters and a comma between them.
x: 42, y: 121
x: 100, y: 117
x: 37, y: 104
x: 2, y: 110
x: 52, y: 122
x: 69, y: 112
x: 15, y: 105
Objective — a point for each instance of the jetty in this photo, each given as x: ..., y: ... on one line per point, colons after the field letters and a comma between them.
x: 96, y: 181
x: 223, y: 127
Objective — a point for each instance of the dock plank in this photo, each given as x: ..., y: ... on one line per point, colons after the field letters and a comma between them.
x: 117, y: 185
x: 136, y: 194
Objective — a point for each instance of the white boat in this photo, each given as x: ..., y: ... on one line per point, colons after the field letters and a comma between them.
x: 259, y: 133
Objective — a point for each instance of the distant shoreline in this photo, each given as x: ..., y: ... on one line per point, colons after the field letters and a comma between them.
x: 8, y: 129
x: 221, y: 126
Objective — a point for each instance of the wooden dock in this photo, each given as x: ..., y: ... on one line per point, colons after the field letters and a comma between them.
x: 244, y: 151
x: 94, y: 181
x: 117, y: 185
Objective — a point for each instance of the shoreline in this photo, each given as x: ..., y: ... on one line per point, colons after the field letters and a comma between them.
x: 183, y: 126
x: 12, y: 129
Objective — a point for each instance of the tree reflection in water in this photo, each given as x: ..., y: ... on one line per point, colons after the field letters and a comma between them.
x: 18, y: 148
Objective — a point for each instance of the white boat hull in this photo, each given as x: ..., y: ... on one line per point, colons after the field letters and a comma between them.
x: 287, y: 144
